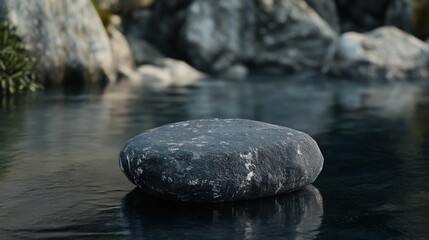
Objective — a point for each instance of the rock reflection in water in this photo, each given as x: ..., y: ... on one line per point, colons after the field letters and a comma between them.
x: 297, y: 215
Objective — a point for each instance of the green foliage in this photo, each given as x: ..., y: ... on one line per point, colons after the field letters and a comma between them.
x: 17, y: 67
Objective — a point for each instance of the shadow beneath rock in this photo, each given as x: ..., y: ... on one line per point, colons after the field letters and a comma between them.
x: 297, y: 215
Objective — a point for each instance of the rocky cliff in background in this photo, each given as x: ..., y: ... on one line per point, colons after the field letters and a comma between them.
x: 66, y: 36
x: 226, y: 38
x: 280, y: 35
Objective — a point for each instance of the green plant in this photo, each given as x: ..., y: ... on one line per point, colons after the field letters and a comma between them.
x: 17, y: 66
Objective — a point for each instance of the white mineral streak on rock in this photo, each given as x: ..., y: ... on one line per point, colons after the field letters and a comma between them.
x: 247, y: 156
x: 128, y: 160
x: 174, y: 144
x: 247, y: 165
x: 249, y: 176
x: 193, y: 182
x: 298, y: 151
x: 279, y: 187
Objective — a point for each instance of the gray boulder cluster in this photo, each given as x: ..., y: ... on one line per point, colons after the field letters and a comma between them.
x: 146, y: 41
x: 220, y: 36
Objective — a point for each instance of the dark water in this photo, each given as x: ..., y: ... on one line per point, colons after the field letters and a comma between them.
x: 59, y: 176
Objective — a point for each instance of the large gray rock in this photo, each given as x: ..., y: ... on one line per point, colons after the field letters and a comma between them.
x: 213, y: 33
x: 281, y: 34
x: 215, y: 160
x: 284, y: 35
x: 290, y: 36
x: 385, y: 53
x: 67, y: 36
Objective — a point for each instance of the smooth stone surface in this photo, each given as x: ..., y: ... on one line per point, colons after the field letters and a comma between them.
x: 216, y: 160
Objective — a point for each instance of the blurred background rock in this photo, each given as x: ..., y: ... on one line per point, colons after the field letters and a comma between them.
x: 93, y: 42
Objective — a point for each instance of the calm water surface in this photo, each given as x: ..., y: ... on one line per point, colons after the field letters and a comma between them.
x: 59, y: 174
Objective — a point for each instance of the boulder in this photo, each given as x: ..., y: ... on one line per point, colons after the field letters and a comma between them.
x: 285, y: 34
x: 327, y: 9
x: 385, y: 53
x: 217, y: 160
x: 290, y: 36
x: 168, y: 73
x: 67, y: 36
x: 212, y: 33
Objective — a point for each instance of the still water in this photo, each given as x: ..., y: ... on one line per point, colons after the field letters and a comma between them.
x: 59, y: 174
